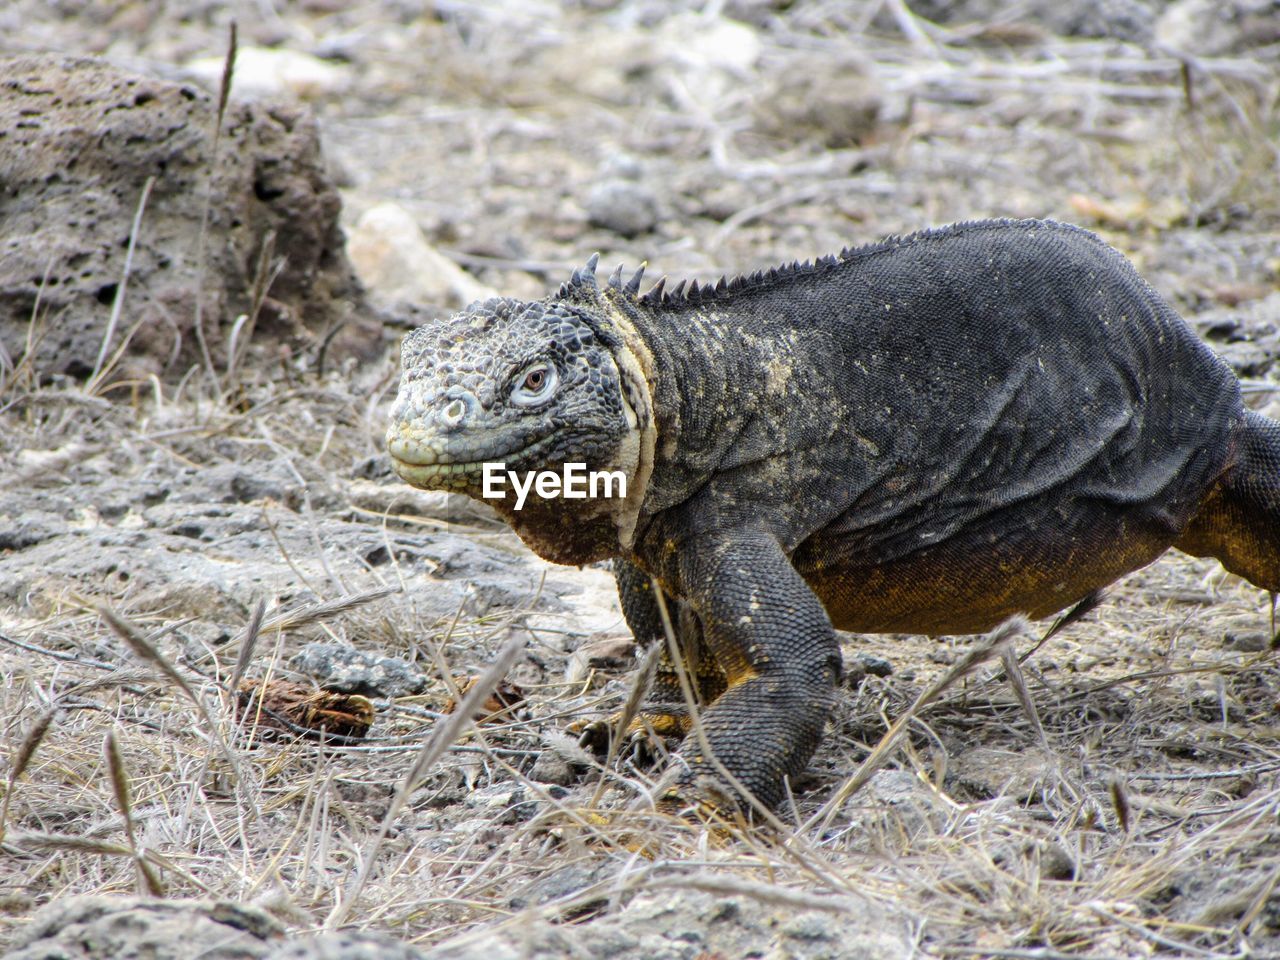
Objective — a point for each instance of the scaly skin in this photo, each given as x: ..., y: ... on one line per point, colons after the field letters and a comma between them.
x: 926, y: 435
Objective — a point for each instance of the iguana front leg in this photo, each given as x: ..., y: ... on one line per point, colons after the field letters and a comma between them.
x: 775, y: 643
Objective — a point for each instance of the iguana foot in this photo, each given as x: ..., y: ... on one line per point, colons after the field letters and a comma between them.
x: 646, y: 739
x: 705, y: 802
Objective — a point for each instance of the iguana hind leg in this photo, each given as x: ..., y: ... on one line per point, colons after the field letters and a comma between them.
x: 664, y: 712
x: 666, y: 698
x: 1239, y: 522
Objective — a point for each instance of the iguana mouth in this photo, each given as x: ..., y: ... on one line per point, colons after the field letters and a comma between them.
x: 425, y: 465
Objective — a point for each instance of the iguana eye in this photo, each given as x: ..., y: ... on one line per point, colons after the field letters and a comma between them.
x: 535, y: 385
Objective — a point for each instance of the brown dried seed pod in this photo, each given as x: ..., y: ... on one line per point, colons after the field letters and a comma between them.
x: 300, y: 710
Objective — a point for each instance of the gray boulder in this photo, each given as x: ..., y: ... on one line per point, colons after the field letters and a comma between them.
x: 133, y: 928
x: 79, y: 139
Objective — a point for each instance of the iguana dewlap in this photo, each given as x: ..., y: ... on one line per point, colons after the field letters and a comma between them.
x: 924, y: 435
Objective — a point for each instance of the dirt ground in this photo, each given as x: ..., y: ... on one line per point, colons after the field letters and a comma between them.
x: 1129, y: 810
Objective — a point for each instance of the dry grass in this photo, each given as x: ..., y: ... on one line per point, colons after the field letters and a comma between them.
x: 1116, y: 798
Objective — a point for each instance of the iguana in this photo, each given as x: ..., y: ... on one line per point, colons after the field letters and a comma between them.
x: 924, y: 435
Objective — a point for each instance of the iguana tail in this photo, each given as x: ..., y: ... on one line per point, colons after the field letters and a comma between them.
x: 1239, y: 521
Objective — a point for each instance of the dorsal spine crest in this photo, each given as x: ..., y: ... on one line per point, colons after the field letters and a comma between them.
x: 686, y: 292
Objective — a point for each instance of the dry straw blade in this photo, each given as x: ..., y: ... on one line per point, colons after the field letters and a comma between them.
x: 248, y: 642
x: 148, y: 879
x: 21, y: 760
x: 327, y: 610
x: 145, y: 650
x: 445, y: 735
x: 977, y: 654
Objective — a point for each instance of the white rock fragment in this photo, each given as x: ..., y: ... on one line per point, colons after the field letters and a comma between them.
x: 271, y: 72
x: 590, y: 596
x: 712, y: 54
x: 712, y: 42
x: 396, y: 263
x: 35, y: 463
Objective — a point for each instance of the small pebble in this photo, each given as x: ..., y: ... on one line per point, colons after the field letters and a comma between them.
x: 623, y: 206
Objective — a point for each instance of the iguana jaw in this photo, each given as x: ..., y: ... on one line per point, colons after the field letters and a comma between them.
x: 452, y: 462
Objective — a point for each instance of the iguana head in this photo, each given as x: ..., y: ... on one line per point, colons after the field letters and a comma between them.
x: 530, y: 385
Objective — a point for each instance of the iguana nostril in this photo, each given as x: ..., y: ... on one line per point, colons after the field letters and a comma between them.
x: 452, y: 414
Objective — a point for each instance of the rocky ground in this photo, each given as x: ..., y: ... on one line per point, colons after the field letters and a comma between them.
x: 164, y: 478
